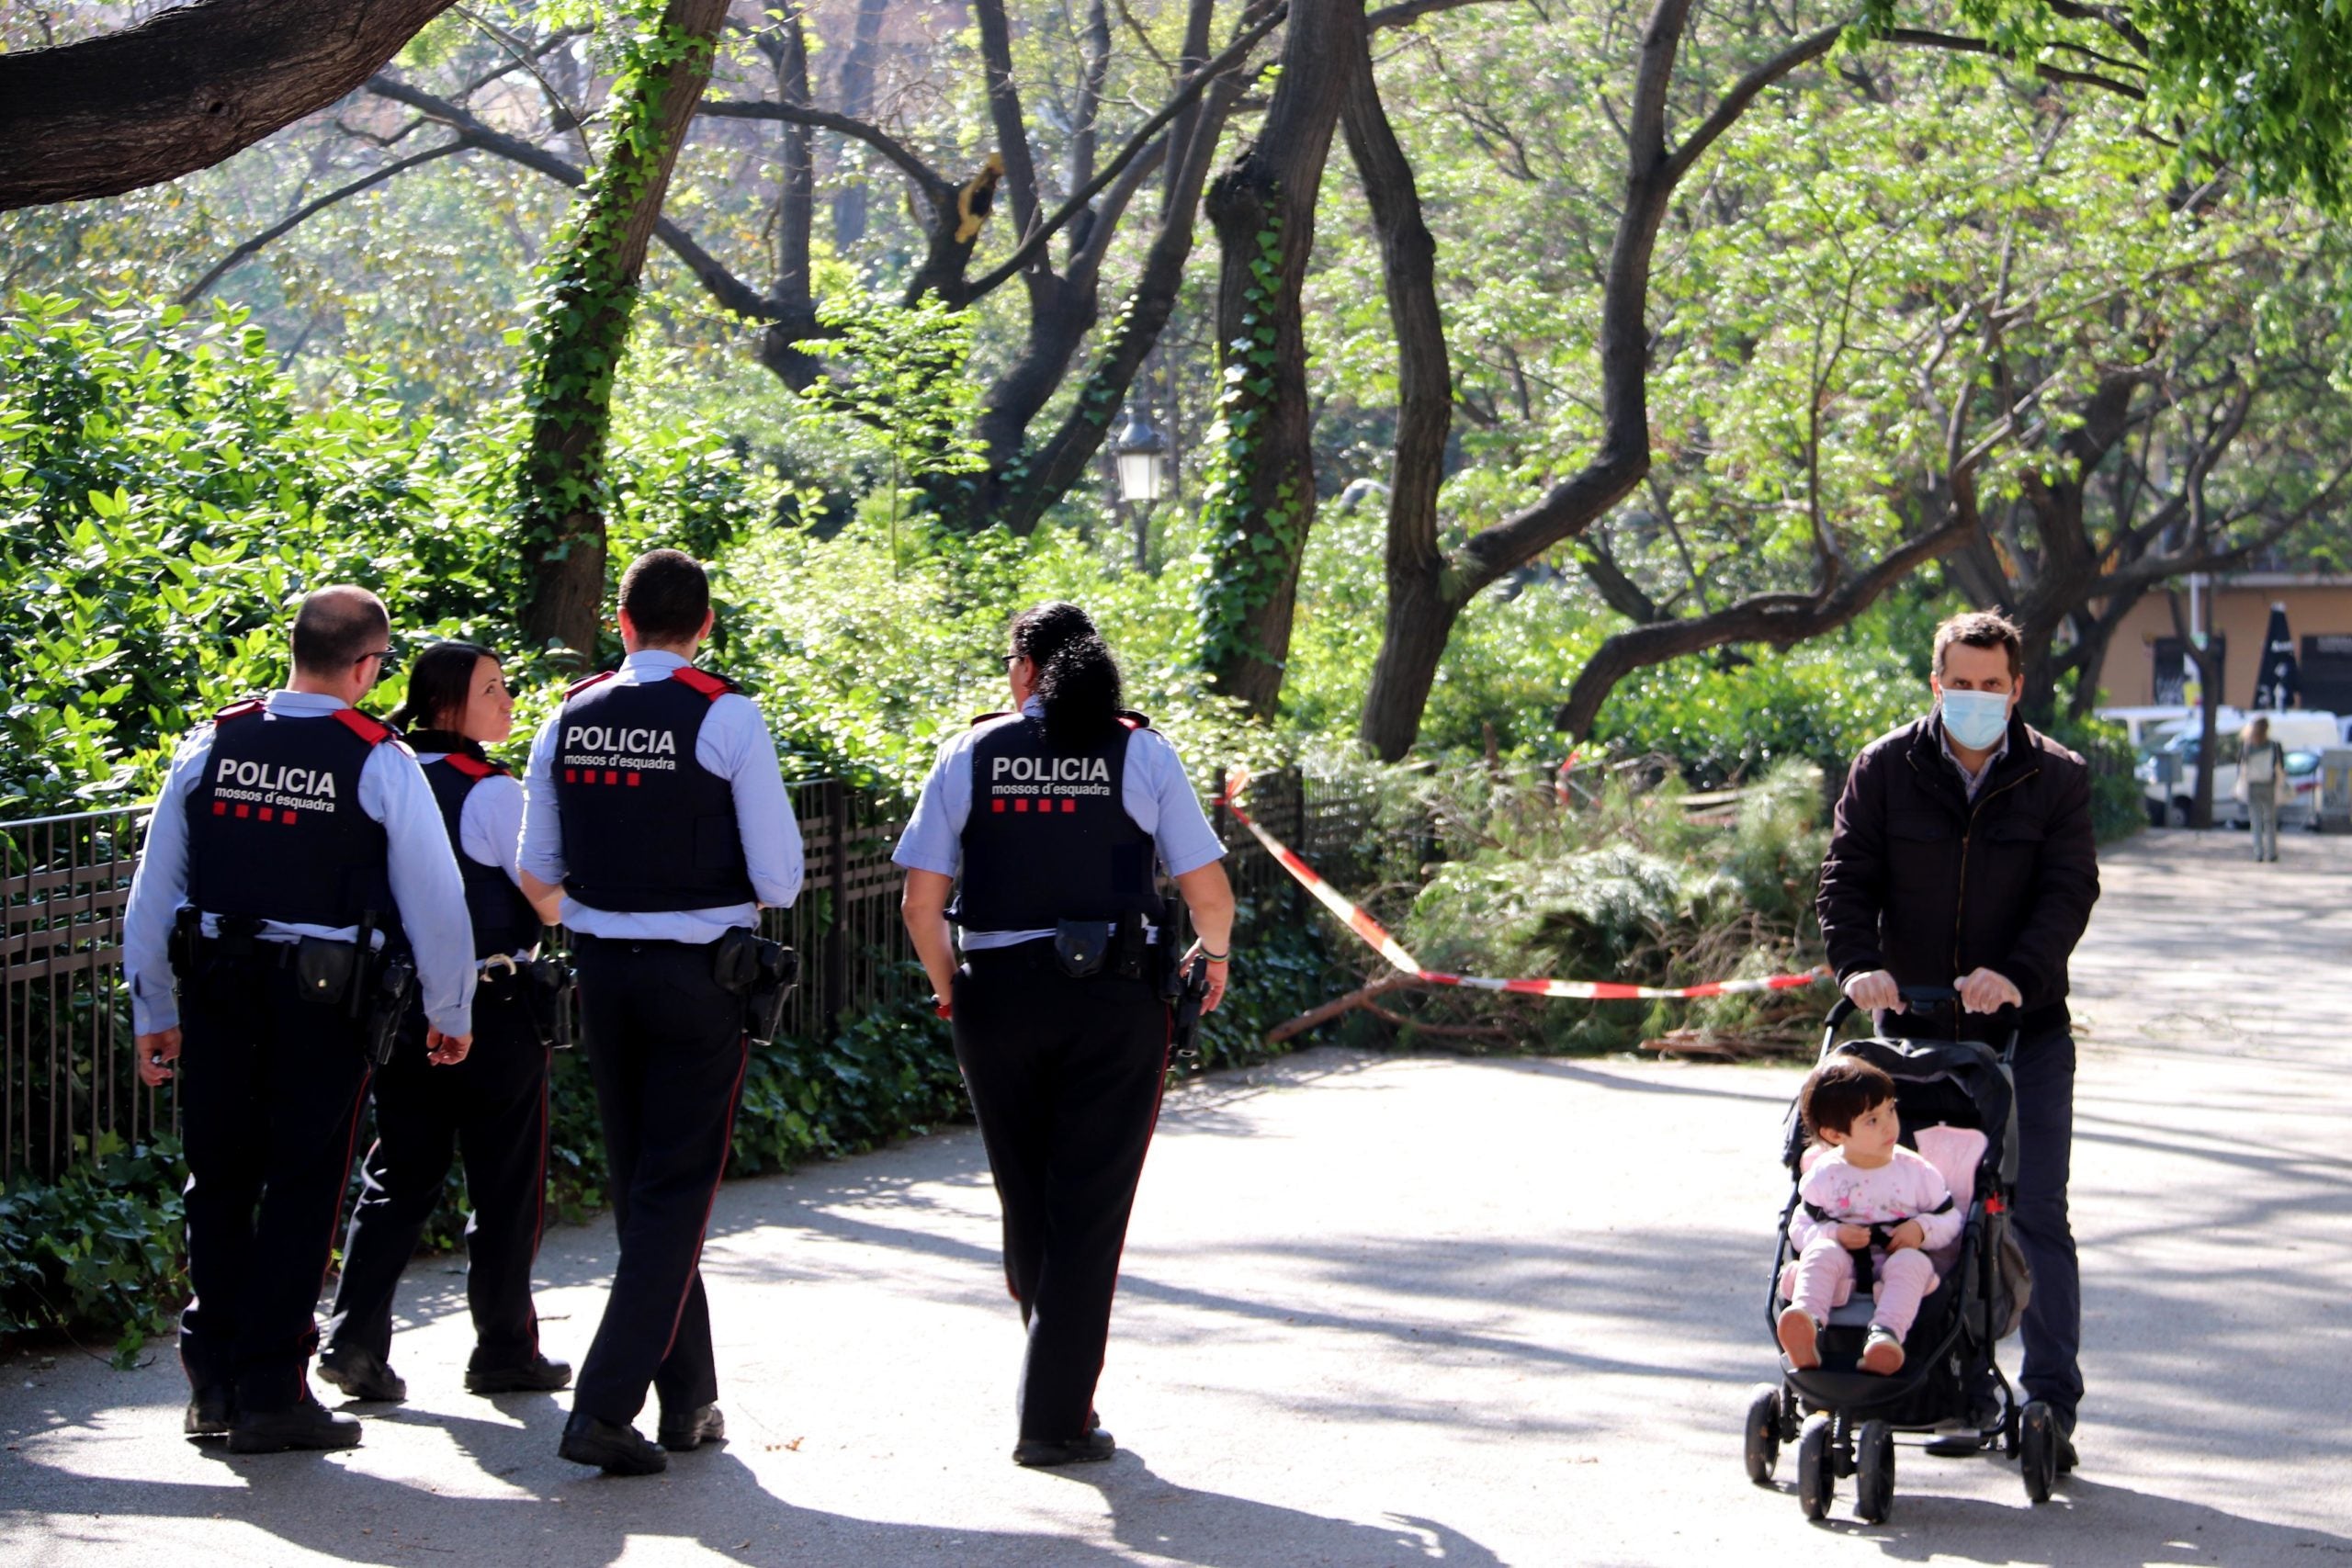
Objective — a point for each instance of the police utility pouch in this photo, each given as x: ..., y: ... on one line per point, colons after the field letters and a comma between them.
x: 547, y: 994
x: 325, y: 969
x: 1081, y: 947
x: 762, y: 973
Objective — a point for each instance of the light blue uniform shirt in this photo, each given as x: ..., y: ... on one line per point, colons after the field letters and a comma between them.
x: 490, y: 825
x: 1153, y: 788
x: 425, y: 883
x: 735, y: 744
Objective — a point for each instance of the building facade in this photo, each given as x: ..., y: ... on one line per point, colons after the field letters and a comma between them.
x: 2146, y: 664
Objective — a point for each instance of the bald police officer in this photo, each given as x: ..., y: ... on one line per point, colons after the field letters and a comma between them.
x: 295, y: 853
x: 654, y: 802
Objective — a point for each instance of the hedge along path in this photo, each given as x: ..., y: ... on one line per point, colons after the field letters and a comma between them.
x: 1411, y: 971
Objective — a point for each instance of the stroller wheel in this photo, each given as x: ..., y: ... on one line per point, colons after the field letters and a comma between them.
x: 2038, y: 1450
x: 1817, y: 1468
x: 1763, y: 1433
x: 1874, y: 1472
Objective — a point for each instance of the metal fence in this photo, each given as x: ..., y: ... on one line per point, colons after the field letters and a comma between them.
x: 67, y: 1080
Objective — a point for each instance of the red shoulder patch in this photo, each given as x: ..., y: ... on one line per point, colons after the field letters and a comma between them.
x: 470, y: 768
x: 372, y: 731
x: 580, y: 685
x: 713, y: 686
x: 1134, y: 720
x: 244, y: 709
x: 981, y: 718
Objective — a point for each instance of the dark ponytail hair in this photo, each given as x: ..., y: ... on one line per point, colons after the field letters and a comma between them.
x: 1077, y: 678
x: 439, y: 685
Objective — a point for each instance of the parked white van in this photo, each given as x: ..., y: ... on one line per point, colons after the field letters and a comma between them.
x: 2168, y: 775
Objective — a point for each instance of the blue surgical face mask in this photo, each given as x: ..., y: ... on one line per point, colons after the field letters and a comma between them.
x: 1976, y: 719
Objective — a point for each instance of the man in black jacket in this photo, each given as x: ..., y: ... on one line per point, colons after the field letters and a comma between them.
x: 1962, y: 856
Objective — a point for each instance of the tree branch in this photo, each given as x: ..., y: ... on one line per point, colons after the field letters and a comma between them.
x: 1744, y: 91
x: 183, y: 90
x: 731, y: 291
x: 278, y: 231
x: 935, y: 186
x: 1406, y: 11
x: 1037, y: 238
x: 1917, y: 37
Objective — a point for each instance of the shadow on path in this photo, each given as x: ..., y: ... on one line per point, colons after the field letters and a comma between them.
x: 712, y: 1500
x: 2085, y: 1524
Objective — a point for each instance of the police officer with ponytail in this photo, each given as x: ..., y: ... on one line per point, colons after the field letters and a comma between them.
x: 655, y: 804
x: 492, y: 1109
x: 295, y: 874
x: 1050, y: 825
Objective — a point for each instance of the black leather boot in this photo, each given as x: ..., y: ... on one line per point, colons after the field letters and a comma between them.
x: 610, y: 1446
x: 309, y: 1425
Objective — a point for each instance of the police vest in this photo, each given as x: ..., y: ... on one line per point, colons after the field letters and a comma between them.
x: 275, y: 830
x: 502, y: 919
x: 646, y: 826
x: 1048, y: 838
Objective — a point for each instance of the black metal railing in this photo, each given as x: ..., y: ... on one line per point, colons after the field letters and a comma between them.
x: 67, y: 1080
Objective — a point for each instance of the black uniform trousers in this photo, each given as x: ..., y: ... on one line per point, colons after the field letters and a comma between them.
x: 667, y: 1051
x: 1065, y: 1077
x: 2043, y: 1071
x: 492, y: 1107
x: 270, y: 1093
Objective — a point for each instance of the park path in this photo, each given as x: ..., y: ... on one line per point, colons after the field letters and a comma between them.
x: 1393, y: 1311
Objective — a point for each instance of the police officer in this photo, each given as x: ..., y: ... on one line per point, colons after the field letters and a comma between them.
x: 492, y: 1107
x: 288, y: 828
x: 1056, y: 819
x: 655, y: 804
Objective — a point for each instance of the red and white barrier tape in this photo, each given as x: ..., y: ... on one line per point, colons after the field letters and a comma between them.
x: 1389, y: 947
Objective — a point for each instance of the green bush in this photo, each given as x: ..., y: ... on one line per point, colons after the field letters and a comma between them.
x: 100, y: 1248
x: 2118, y: 808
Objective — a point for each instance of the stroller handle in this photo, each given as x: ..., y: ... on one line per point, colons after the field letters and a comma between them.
x: 1931, y: 997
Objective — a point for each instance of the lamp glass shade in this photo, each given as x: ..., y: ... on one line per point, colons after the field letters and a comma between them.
x: 1142, y: 476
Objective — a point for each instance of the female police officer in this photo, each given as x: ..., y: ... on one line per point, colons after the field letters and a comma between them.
x: 493, y: 1106
x: 1052, y: 818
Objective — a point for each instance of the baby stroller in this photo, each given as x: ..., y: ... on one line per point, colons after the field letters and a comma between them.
x: 1958, y: 1110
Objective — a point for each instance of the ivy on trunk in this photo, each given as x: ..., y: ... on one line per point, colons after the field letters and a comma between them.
x: 582, y: 329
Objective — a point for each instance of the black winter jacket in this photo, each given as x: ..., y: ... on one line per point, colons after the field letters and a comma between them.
x: 1921, y: 882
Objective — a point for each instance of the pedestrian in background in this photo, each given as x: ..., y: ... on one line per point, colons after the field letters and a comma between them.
x: 492, y: 1107
x: 1051, y: 824
x: 2262, y: 764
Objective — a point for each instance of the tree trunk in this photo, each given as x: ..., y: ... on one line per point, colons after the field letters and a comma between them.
x: 1406, y: 667
x: 1420, y: 618
x: 780, y: 348
x: 851, y: 194
x: 1261, y: 499
x: 2209, y: 689
x: 583, y: 329
x: 184, y: 90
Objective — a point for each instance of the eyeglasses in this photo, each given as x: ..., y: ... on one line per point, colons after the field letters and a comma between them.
x: 386, y: 661
x: 1004, y: 660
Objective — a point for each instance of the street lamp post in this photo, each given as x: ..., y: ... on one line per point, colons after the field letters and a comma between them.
x: 1140, y: 449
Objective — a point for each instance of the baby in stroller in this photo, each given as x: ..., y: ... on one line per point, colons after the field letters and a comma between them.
x: 1870, y: 1211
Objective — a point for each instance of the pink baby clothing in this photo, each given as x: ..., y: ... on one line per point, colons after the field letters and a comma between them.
x: 1825, y: 1272
x: 1906, y: 1188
